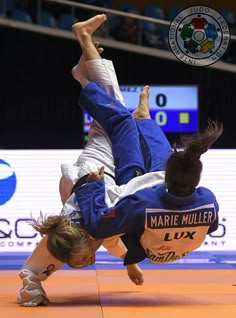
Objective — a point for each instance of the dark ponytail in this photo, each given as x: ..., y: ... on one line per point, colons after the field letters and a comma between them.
x: 183, y: 168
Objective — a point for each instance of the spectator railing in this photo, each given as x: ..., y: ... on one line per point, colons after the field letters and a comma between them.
x: 107, y: 40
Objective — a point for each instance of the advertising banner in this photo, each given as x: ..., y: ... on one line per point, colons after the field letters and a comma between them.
x: 29, y: 184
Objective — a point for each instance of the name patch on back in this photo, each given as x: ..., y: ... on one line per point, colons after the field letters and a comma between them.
x: 176, y: 219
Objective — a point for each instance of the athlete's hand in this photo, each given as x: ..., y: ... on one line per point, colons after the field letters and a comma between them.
x: 135, y: 274
x: 39, y: 300
x: 32, y: 294
x: 96, y: 175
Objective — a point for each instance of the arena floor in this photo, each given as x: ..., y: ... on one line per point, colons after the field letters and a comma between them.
x: 199, y: 287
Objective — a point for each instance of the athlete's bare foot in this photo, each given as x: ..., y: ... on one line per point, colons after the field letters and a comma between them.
x: 89, y: 26
x: 142, y: 111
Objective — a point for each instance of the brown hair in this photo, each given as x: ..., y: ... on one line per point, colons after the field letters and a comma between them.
x: 63, y: 236
x: 183, y: 168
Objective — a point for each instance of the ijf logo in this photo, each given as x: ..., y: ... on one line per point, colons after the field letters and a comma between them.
x: 7, y: 182
x: 199, y: 36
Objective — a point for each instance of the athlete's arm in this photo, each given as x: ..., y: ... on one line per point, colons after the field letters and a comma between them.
x: 39, y: 265
x: 100, y: 220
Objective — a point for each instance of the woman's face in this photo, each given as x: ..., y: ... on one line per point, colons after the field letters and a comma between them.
x: 79, y: 259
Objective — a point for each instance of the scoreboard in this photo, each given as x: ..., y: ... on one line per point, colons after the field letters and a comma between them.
x: 174, y: 108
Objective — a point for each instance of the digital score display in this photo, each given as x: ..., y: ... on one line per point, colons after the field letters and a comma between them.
x: 174, y: 108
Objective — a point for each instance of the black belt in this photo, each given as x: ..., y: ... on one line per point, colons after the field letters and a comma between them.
x: 83, y: 180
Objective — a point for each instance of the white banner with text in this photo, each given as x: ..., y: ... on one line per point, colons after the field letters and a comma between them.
x: 29, y: 183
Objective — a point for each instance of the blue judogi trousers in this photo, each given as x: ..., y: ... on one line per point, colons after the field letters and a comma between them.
x: 138, y: 146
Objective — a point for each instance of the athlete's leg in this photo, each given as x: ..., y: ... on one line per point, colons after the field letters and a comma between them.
x: 155, y: 146
x: 93, y: 68
x: 120, y: 126
x: 98, y: 70
x: 102, y: 72
x: 112, y: 115
x: 83, y: 32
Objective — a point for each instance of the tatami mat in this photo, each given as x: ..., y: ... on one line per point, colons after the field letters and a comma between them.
x: 110, y: 294
x: 71, y: 293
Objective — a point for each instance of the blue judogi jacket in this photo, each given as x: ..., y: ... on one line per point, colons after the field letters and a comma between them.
x: 157, y: 225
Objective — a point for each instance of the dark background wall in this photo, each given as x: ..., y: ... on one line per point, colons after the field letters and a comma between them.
x: 39, y: 98
x: 38, y: 95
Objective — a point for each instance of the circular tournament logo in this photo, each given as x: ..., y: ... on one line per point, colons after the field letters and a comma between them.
x: 199, y: 36
x: 7, y: 182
